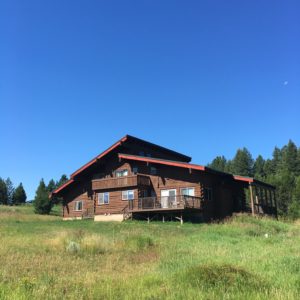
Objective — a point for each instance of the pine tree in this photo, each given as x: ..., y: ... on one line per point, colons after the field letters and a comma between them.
x: 294, y: 207
x: 277, y: 160
x: 242, y: 163
x: 10, y: 191
x: 290, y: 157
x: 259, y: 167
x: 51, y: 186
x: 19, y: 195
x: 285, y: 184
x: 219, y: 164
x: 3, y: 192
x: 63, y: 179
x: 42, y: 203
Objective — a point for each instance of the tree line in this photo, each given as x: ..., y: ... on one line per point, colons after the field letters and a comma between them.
x: 9, y: 195
x: 282, y: 171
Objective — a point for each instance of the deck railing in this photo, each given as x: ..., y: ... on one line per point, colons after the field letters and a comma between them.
x: 168, y: 202
x: 117, y: 182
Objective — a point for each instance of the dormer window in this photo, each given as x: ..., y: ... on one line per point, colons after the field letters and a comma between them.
x: 121, y: 173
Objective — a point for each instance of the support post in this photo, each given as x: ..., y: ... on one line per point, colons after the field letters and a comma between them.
x: 163, y: 218
x: 275, y: 202
x: 251, y: 199
x: 181, y: 220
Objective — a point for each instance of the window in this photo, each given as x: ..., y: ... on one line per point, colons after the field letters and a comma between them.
x: 188, y: 191
x: 103, y: 198
x: 135, y: 170
x: 144, y: 193
x: 149, y: 155
x: 208, y: 194
x: 78, y: 205
x: 121, y: 173
x: 153, y: 171
x: 128, y: 195
x: 141, y: 153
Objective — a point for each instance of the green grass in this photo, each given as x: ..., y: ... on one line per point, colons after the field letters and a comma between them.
x: 43, y: 257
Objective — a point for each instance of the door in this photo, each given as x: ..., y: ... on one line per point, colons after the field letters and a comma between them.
x: 168, y: 198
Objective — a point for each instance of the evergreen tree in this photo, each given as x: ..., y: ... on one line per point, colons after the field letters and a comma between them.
x: 242, y: 163
x: 277, y: 159
x: 259, y: 167
x: 3, y: 192
x: 10, y: 191
x: 19, y: 196
x: 269, y: 168
x: 294, y: 207
x: 42, y: 203
x: 229, y: 166
x: 219, y: 164
x: 51, y: 186
x: 285, y: 184
x: 63, y: 179
x: 290, y: 157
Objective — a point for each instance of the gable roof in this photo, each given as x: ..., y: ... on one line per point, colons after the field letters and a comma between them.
x: 110, y: 149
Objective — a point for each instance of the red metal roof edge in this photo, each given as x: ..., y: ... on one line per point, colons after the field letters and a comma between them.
x: 243, y: 178
x: 123, y: 139
x: 162, y: 161
x: 63, y: 186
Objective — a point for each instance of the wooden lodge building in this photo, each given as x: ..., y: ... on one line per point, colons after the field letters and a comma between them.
x: 138, y: 179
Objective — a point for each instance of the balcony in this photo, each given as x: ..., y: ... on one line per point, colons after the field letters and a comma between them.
x: 120, y: 182
x: 180, y: 202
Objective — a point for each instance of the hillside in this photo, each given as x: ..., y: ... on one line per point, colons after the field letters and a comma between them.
x: 43, y: 257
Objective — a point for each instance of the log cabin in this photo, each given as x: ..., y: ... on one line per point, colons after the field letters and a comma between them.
x: 140, y: 180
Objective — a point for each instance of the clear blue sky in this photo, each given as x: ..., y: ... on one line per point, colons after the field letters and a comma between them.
x: 200, y: 77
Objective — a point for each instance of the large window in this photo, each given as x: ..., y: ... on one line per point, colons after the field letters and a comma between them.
x: 78, y: 206
x: 103, y: 198
x: 208, y: 194
x: 121, y: 173
x: 188, y: 191
x: 128, y: 195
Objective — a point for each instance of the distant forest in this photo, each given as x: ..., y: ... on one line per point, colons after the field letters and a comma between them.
x: 282, y: 171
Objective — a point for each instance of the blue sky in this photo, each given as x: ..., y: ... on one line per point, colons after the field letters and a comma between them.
x: 200, y: 77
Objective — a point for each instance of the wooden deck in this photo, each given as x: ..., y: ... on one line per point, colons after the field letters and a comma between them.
x: 173, y: 203
x: 117, y: 182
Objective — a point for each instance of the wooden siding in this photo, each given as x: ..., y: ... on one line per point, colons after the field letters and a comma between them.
x: 116, y: 205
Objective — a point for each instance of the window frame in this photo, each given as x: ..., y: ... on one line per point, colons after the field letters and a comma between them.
x: 209, y: 194
x: 187, y: 188
x: 76, y: 205
x: 103, y: 198
x: 121, y: 172
x: 127, y: 195
x: 153, y: 169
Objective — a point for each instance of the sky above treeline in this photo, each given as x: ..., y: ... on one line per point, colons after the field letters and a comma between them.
x: 201, y: 77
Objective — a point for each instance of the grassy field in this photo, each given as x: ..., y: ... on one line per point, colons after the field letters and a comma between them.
x: 43, y: 257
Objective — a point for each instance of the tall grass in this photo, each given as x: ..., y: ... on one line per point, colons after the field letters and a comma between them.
x: 43, y: 257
